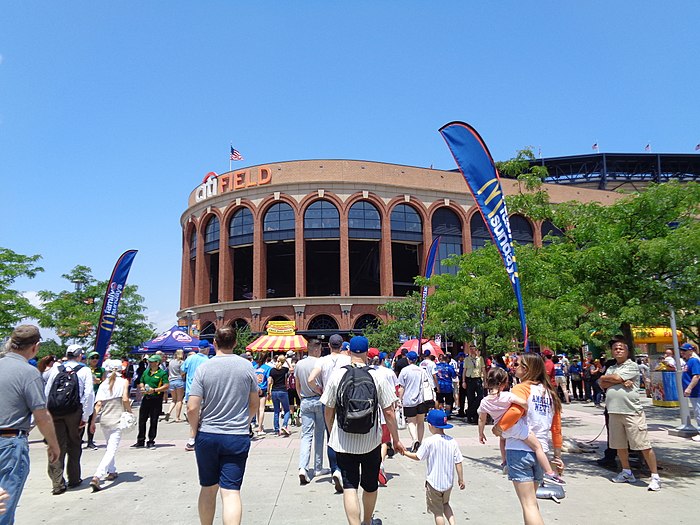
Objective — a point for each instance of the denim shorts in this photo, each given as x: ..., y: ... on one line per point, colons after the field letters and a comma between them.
x: 176, y: 383
x: 221, y: 459
x: 14, y: 469
x: 523, y: 466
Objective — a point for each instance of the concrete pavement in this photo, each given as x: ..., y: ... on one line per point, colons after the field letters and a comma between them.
x: 161, y: 486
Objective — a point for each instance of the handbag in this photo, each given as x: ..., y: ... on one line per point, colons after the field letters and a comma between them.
x: 127, y: 422
x: 400, y: 418
x: 427, y: 390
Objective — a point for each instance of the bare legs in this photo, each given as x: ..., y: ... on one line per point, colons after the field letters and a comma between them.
x: 527, y: 494
x: 416, y: 427
x: 230, y: 501
x: 648, y: 454
x: 178, y: 395
x: 352, y: 506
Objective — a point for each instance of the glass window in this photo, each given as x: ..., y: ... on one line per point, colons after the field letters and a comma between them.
x: 406, y: 224
x: 193, y: 244
x: 364, y: 221
x: 549, y: 230
x: 279, y: 223
x: 321, y: 221
x: 447, y: 225
x: 480, y: 234
x: 520, y: 229
x: 211, y: 235
x: 323, y: 322
x: 240, y: 230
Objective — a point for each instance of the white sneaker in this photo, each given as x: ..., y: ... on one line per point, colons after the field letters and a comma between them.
x: 654, y: 484
x: 696, y: 438
x: 623, y: 477
x: 303, y: 477
x: 338, y: 481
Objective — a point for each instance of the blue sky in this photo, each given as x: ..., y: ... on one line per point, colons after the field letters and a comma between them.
x: 112, y: 112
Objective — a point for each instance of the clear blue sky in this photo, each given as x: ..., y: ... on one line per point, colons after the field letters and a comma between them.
x: 112, y: 112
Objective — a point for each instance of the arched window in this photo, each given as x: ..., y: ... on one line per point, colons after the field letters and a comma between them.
x: 240, y: 231
x: 549, y: 230
x: 208, y: 331
x: 322, y: 322
x: 480, y: 234
x: 321, y: 221
x: 193, y: 244
x: 279, y: 223
x: 367, y: 320
x: 364, y: 221
x: 447, y: 225
x: 406, y: 224
x: 521, y: 229
x: 211, y: 236
x: 238, y: 324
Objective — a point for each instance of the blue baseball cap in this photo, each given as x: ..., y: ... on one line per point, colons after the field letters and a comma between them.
x: 203, y: 343
x: 382, y: 355
x: 688, y: 346
x: 438, y: 419
x: 412, y: 356
x: 359, y: 344
x: 345, y: 346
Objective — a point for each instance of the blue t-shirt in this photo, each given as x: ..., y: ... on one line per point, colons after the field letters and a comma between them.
x: 558, y: 370
x: 691, y: 368
x: 445, y: 373
x: 189, y: 366
x: 261, y: 374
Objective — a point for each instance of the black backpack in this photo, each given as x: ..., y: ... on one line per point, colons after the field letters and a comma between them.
x: 356, y: 402
x: 64, y: 396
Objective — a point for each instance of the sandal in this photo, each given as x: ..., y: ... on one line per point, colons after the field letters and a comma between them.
x: 112, y: 476
x: 95, y: 484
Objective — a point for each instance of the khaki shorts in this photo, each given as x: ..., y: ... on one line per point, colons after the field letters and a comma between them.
x: 434, y: 499
x: 560, y: 380
x: 628, y: 428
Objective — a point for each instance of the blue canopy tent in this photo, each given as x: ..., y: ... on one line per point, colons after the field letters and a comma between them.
x: 168, y: 342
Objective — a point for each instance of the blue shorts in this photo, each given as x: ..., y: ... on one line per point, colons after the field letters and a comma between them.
x: 176, y: 383
x: 221, y: 459
x: 523, y: 466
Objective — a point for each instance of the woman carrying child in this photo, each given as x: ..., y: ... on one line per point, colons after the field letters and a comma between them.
x: 495, y: 404
x: 543, y: 417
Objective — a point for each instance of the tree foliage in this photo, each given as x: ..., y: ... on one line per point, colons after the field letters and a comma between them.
x: 75, y: 314
x: 15, y: 306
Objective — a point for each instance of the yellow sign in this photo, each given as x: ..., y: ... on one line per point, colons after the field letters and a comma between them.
x: 281, y: 328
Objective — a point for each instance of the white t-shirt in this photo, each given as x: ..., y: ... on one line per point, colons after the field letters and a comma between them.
x: 411, y: 379
x: 441, y: 453
x: 429, y: 366
x: 497, y: 405
x: 390, y: 377
x: 540, y: 414
x: 329, y: 363
x: 342, y: 441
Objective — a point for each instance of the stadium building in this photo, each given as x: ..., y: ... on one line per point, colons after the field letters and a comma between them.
x: 326, y: 242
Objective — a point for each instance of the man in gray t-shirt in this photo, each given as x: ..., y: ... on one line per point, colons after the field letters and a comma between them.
x: 21, y: 396
x: 313, y: 426
x: 223, y: 400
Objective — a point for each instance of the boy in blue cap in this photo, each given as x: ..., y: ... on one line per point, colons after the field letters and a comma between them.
x: 440, y: 452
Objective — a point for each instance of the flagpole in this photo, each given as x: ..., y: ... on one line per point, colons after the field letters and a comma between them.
x: 229, y: 158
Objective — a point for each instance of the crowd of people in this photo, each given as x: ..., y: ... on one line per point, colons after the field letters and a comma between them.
x: 350, y: 404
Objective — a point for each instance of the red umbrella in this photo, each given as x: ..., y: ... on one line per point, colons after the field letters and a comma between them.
x: 428, y: 344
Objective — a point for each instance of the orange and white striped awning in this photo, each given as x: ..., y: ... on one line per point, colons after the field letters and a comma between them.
x: 277, y: 343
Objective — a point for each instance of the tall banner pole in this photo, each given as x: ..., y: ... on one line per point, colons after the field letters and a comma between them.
x: 430, y: 262
x: 110, y: 305
x: 479, y: 171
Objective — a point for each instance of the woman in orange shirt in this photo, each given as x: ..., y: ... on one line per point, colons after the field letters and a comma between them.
x: 543, y: 417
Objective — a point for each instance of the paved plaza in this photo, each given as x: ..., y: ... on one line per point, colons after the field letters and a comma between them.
x: 160, y: 486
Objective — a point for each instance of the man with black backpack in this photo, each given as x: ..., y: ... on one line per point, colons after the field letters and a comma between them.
x: 70, y: 399
x: 352, y: 399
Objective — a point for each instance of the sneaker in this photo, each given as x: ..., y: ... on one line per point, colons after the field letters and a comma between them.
x: 382, y: 477
x: 91, y: 445
x: 696, y: 438
x: 138, y: 445
x: 654, y: 484
x: 260, y: 433
x: 189, y: 447
x: 338, y: 481
x: 284, y: 432
x: 504, y: 467
x: 75, y: 484
x: 375, y: 521
x: 151, y: 446
x: 623, y: 477
x: 58, y: 491
x: 554, y: 479
x: 303, y: 477
x: 322, y: 472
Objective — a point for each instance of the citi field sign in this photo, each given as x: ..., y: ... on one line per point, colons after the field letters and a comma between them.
x: 214, y: 184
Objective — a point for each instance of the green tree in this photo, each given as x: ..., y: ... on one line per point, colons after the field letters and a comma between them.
x: 75, y: 314
x: 15, y: 306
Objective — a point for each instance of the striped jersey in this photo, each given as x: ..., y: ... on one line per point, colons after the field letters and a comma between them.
x: 441, y: 454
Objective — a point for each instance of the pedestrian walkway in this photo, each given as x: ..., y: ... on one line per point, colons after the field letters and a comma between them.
x: 160, y: 486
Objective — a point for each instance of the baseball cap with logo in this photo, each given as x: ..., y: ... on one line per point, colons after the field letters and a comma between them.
x: 203, y: 343
x: 336, y: 341
x: 412, y: 356
x: 74, y: 350
x: 438, y: 419
x: 372, y: 353
x: 688, y: 347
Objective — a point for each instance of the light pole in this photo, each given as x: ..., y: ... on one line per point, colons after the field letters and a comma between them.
x: 686, y: 429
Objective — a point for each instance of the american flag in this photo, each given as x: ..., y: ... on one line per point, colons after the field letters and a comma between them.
x: 647, y: 148
x: 235, y: 154
x: 697, y: 147
x: 594, y: 147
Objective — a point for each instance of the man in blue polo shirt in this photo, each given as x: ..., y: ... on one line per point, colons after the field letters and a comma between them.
x: 189, y: 367
x: 691, y: 379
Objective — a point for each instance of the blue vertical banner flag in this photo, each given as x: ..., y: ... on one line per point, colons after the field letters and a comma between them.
x: 430, y: 263
x: 480, y: 173
x: 110, y: 305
